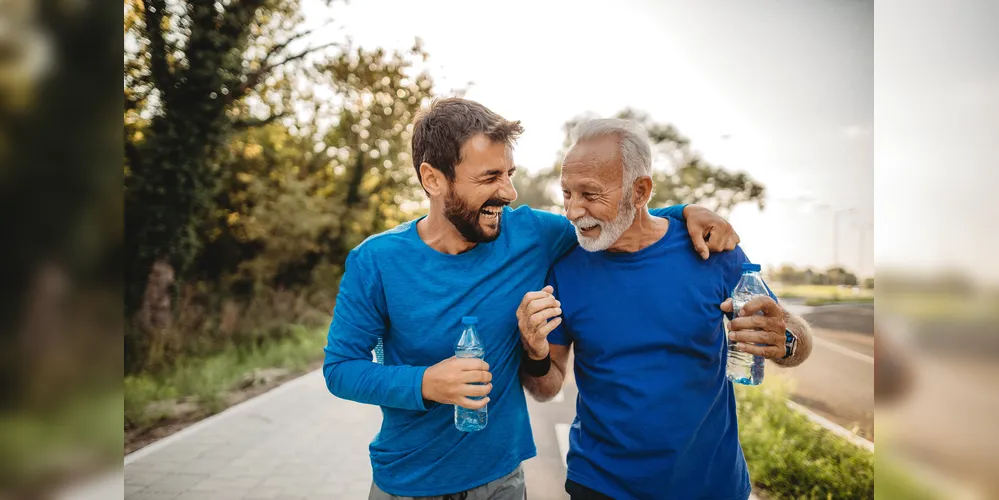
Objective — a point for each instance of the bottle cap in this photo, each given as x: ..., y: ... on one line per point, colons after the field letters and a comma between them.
x: 748, y: 266
x: 469, y: 320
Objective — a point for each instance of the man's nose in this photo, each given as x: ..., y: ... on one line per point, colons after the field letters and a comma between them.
x: 507, y: 191
x: 573, y: 211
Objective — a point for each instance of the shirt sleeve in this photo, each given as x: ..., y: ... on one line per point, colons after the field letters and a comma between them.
x: 675, y: 211
x: 360, y: 319
x: 559, y: 335
x: 556, y: 233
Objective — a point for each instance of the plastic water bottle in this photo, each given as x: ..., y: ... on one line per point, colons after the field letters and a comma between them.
x: 469, y: 346
x: 744, y: 368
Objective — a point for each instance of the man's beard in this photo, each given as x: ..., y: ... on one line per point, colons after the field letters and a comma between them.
x: 465, y: 218
x: 609, y: 231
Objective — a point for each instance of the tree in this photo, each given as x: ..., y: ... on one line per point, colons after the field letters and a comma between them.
x: 680, y: 174
x: 289, y: 200
x: 254, y: 158
x: 192, y: 71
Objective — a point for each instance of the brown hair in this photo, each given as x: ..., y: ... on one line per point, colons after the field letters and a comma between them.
x: 441, y: 130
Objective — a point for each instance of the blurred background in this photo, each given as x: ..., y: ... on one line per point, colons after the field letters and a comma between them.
x: 263, y: 139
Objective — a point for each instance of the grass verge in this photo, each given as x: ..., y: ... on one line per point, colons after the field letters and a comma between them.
x: 200, y: 386
x: 792, y: 458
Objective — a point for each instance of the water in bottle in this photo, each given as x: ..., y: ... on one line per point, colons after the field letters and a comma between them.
x: 744, y: 368
x: 469, y: 346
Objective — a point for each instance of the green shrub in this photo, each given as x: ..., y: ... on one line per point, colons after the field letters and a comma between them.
x: 792, y: 458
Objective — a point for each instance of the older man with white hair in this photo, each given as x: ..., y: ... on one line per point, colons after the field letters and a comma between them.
x: 655, y: 416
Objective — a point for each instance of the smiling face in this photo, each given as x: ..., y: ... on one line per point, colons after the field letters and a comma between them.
x: 596, y: 201
x: 481, y: 188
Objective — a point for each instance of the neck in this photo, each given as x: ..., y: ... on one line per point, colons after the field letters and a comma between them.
x: 438, y: 232
x: 644, y: 231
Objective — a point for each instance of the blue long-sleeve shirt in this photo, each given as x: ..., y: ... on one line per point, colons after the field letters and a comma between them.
x: 397, y: 288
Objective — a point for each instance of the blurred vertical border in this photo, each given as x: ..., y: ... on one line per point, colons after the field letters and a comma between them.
x: 60, y: 243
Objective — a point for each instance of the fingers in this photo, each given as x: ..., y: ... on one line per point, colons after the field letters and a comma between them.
x: 757, y: 322
x: 476, y: 377
x: 472, y: 404
x: 733, y: 240
x: 769, y: 352
x: 471, y: 364
x: 542, y: 304
x: 532, y: 296
x: 726, y: 306
x: 718, y: 240
x: 766, y: 304
x: 755, y: 337
x: 697, y: 237
x: 549, y: 327
x: 539, y: 319
x: 471, y: 390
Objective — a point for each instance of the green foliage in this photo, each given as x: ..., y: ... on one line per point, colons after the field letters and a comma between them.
x: 255, y: 159
x: 680, y: 174
x: 792, y: 458
x: 204, y: 381
x: 790, y: 275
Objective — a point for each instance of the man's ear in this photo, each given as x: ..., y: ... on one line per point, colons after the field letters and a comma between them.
x: 642, y: 191
x: 433, y: 180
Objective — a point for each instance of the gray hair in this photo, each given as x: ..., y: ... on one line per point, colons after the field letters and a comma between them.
x: 634, y: 144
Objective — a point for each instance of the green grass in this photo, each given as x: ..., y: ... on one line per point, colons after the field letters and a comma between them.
x: 792, y: 458
x: 205, y: 381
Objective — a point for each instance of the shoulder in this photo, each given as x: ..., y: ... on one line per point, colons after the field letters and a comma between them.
x: 377, y: 245
x: 527, y: 215
x: 577, y: 259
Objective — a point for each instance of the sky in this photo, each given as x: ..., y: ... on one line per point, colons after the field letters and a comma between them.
x: 784, y: 91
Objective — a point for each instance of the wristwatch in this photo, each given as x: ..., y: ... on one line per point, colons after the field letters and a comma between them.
x: 791, y: 343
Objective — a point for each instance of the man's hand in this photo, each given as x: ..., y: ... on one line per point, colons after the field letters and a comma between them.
x: 453, y: 380
x: 708, y: 231
x: 755, y: 334
x: 532, y: 317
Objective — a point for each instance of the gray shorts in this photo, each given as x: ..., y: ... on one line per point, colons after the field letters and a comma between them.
x: 508, y: 487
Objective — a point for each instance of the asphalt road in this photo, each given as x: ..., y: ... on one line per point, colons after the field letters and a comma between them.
x: 837, y: 380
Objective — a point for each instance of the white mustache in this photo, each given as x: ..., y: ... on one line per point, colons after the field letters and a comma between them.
x: 586, y: 221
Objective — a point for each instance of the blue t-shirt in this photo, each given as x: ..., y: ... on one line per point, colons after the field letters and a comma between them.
x: 655, y: 415
x: 395, y: 287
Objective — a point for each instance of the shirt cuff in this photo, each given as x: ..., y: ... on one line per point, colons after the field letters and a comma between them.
x: 418, y: 402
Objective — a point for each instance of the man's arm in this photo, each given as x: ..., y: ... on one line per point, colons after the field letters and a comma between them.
x: 360, y: 318
x: 764, y: 335
x: 708, y: 231
x: 801, y: 329
x: 542, y: 365
x: 545, y: 387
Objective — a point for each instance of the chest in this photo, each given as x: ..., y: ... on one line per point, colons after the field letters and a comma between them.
x: 633, y: 309
x: 427, y: 301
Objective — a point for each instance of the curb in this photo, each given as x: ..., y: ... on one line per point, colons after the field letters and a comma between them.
x: 832, y: 426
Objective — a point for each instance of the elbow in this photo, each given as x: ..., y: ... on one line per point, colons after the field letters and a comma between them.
x: 333, y: 380
x: 542, y: 394
x: 542, y: 397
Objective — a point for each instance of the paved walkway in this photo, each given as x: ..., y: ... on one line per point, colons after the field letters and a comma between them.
x: 298, y: 441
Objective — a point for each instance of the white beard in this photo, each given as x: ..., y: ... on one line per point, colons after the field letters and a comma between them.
x: 609, y: 231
